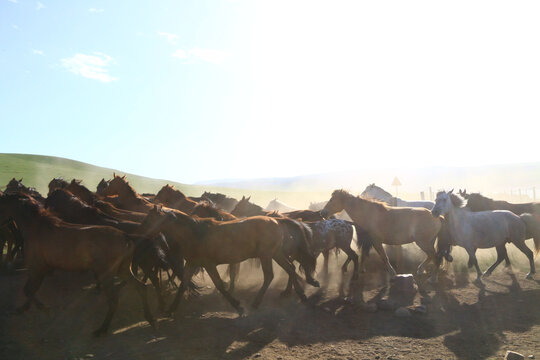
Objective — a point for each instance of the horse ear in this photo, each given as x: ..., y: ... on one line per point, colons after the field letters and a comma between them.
x: 20, y: 180
x: 123, y: 177
x: 114, y: 174
x: 243, y: 197
x: 451, y: 191
x: 248, y: 198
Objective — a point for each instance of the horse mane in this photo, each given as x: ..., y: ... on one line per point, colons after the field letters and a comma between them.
x: 126, y: 186
x: 457, y: 201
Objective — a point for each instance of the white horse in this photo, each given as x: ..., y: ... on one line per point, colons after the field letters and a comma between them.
x: 276, y: 205
x: 480, y: 230
x: 374, y: 192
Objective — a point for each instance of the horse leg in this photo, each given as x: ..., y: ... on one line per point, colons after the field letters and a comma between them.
x: 111, y: 292
x: 234, y: 269
x: 351, y: 256
x: 429, y: 249
x: 189, y: 270
x: 520, y: 244
x: 30, y: 288
x: 141, y: 290
x: 266, y: 264
x: 501, y: 255
x: 474, y: 261
x: 216, y: 279
x: 156, y: 282
x: 326, y: 255
x: 363, y: 257
x: 377, y: 245
x: 282, y: 261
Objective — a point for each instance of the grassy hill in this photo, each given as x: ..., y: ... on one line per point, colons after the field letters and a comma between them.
x: 38, y: 170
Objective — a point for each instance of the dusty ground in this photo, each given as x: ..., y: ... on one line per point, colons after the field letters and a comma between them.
x: 463, y: 322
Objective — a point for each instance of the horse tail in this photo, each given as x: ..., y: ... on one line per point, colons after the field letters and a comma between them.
x: 363, y: 240
x: 532, y: 226
x: 299, y: 242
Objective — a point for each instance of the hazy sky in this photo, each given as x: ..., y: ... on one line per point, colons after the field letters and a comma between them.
x: 197, y: 90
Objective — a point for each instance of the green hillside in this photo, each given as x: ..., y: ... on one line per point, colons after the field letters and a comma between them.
x: 38, y: 170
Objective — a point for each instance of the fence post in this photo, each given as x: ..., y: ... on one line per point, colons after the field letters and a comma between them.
x: 422, y: 195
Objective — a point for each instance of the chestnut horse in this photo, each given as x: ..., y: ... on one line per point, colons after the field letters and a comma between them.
x: 50, y: 243
x: 127, y: 198
x: 175, y: 199
x: 207, y: 243
x: 388, y: 225
x: 297, y: 242
x: 76, y: 188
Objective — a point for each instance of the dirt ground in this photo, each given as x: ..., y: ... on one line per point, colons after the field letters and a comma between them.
x: 463, y: 322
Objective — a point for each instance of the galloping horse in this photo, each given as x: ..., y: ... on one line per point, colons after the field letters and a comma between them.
x: 388, y: 225
x: 175, y: 199
x: 481, y: 230
x: 478, y: 202
x: 297, y: 242
x: 207, y: 243
x: 373, y: 191
x: 15, y: 186
x: 50, y: 244
x: 222, y: 201
x: 76, y: 188
x: 127, y: 199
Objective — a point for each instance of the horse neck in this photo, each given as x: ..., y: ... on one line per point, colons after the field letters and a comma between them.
x: 359, y: 210
x: 456, y: 219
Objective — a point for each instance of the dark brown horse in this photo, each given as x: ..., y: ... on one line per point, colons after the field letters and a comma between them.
x: 175, y: 199
x: 207, y: 243
x: 76, y: 188
x: 221, y: 201
x: 71, y: 209
x: 17, y: 187
x: 51, y: 244
x: 57, y: 183
x: 477, y: 202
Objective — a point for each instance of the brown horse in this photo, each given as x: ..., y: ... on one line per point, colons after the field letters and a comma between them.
x: 71, y: 209
x: 388, y: 225
x: 76, y: 188
x: 127, y: 198
x: 57, y: 183
x: 207, y: 243
x: 51, y: 244
x: 297, y: 242
x: 221, y: 201
x: 175, y: 199
x: 15, y: 186
x: 477, y: 202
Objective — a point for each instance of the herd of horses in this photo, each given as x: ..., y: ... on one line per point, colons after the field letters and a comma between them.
x: 123, y: 237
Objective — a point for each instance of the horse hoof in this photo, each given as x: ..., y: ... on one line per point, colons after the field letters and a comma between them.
x: 240, y: 311
x: 315, y: 283
x: 303, y: 298
x: 285, y: 294
x: 486, y: 274
x: 478, y: 282
x: 529, y: 276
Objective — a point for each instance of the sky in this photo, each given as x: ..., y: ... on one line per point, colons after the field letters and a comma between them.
x: 199, y: 90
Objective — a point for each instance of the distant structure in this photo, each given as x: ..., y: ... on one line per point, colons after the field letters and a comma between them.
x: 396, y: 183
